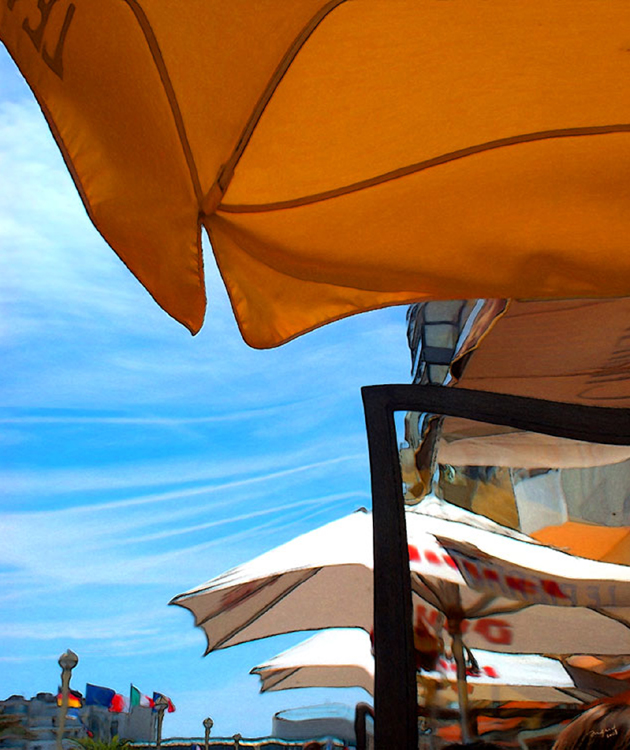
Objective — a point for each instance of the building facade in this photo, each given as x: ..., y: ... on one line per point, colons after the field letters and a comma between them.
x: 39, y: 717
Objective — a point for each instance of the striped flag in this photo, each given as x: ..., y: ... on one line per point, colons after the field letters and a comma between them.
x: 75, y: 699
x: 139, y: 699
x: 119, y: 704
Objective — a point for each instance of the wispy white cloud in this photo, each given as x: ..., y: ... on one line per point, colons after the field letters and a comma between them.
x: 145, y: 421
x: 76, y: 629
x: 146, y: 474
x: 115, y: 558
x: 29, y: 657
x: 319, y: 501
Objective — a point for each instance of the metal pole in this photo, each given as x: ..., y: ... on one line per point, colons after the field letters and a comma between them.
x: 207, y: 724
x: 455, y: 630
x: 63, y: 709
x: 160, y: 719
x: 67, y: 661
x: 237, y: 741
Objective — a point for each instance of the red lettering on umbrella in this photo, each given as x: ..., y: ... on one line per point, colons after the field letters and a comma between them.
x: 414, y: 555
x: 522, y: 585
x: 490, y: 575
x: 422, y: 616
x: 553, y: 589
x: 432, y: 557
x: 472, y: 569
x: 449, y: 561
x: 490, y: 672
x: 494, y: 631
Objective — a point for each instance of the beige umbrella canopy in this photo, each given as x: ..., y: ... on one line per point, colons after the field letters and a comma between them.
x: 342, y: 155
x: 342, y: 657
x: 562, y: 350
x: 336, y: 657
x: 324, y: 579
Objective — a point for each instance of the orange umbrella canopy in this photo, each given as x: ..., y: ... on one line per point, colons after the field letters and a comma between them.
x: 342, y: 154
x: 606, y: 543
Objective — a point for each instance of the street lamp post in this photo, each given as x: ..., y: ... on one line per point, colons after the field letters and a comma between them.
x: 237, y: 741
x: 161, y: 704
x: 207, y: 725
x: 67, y: 661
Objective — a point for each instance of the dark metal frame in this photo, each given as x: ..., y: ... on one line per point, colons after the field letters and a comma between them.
x: 395, y: 697
x: 361, y: 712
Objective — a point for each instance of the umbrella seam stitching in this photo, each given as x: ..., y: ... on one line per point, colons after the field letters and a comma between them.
x: 226, y: 172
x: 423, y: 165
x: 169, y: 92
x: 260, y: 613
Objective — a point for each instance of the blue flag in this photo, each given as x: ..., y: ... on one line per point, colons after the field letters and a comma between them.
x: 98, y: 696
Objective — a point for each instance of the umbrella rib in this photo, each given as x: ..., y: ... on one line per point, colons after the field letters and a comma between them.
x: 612, y: 616
x: 260, y: 612
x: 506, y: 609
x: 480, y: 606
x: 396, y: 174
x: 160, y: 65
x: 227, y: 170
x: 418, y: 578
x: 270, y: 683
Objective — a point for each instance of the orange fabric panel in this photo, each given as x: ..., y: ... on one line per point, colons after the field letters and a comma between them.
x: 607, y: 543
x: 426, y: 150
x: 272, y: 306
x: 220, y: 56
x: 384, y: 85
x: 496, y: 225
x: 146, y: 103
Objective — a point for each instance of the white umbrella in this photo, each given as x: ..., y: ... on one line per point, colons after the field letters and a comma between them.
x: 537, y: 574
x: 512, y: 677
x: 339, y: 657
x: 342, y: 657
x: 433, y: 506
x: 324, y: 579
x: 320, y: 579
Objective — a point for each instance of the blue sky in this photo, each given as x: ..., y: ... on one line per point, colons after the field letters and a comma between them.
x: 139, y: 461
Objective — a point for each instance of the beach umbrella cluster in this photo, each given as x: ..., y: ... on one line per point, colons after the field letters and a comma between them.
x: 494, y: 601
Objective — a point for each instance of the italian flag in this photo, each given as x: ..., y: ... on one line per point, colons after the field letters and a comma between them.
x: 138, y: 699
